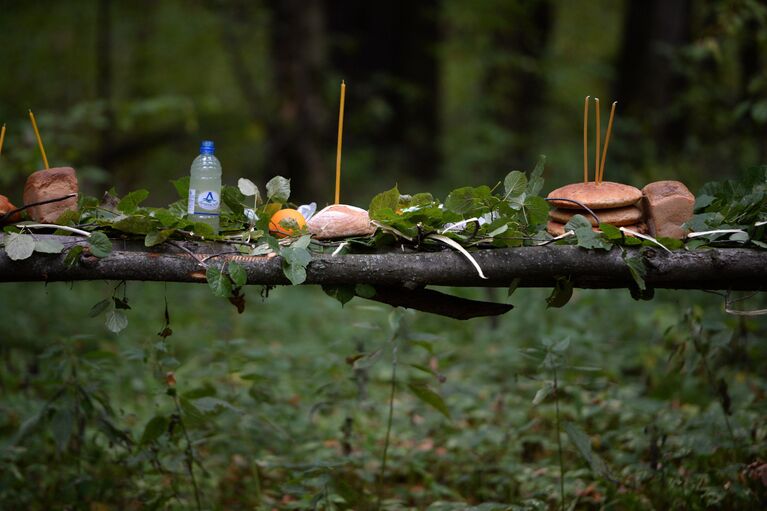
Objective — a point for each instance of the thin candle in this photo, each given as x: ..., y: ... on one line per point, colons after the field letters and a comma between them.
x: 599, y: 139
x: 340, y: 142
x: 39, y: 140
x: 2, y: 138
x: 607, y: 141
x: 586, y: 140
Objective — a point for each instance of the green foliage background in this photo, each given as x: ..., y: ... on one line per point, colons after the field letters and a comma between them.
x: 642, y: 405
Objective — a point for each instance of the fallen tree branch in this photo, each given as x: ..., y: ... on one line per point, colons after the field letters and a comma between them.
x: 726, y: 268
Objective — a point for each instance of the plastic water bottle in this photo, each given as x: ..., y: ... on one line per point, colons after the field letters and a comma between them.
x: 205, y: 187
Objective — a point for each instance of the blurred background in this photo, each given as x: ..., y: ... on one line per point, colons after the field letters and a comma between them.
x: 441, y: 93
x: 641, y: 405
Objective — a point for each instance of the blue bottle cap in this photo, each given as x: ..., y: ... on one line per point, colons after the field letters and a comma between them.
x: 207, y: 147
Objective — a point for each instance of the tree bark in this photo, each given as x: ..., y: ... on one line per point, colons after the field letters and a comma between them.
x: 723, y: 269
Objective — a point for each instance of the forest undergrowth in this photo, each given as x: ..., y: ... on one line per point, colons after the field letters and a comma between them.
x: 608, y: 403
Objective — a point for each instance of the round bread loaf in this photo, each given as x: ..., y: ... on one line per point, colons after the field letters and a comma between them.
x: 627, y: 215
x: 604, y: 195
x: 340, y: 221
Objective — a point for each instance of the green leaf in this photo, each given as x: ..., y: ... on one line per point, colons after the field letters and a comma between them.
x: 219, y: 282
x: 468, y: 201
x: 73, y: 255
x: 278, y: 189
x: 577, y: 222
x: 134, y: 224
x: 583, y: 444
x: 537, y: 210
x: 165, y: 217
x: 204, y: 230
x: 388, y: 200
x: 130, y: 202
x: 116, y: 321
x: 237, y: 273
x: 233, y: 199
x: 515, y: 184
x: 212, y: 405
x: 182, y: 187
x: 99, y: 244
x: 62, y: 426
x: 610, y: 231
x: 589, y: 239
x: 365, y: 290
x: 19, y: 246
x: 431, y: 398
x: 562, y: 345
x: 48, y: 246
x: 295, y: 273
x: 99, y: 307
x: 637, y: 268
x: 341, y: 293
x: 296, y: 255
x: 513, y: 285
x: 561, y: 294
x: 154, y: 429
x: 535, y: 183
x: 302, y: 242
x: 157, y: 237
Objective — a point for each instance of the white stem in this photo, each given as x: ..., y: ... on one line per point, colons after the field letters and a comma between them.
x: 60, y: 227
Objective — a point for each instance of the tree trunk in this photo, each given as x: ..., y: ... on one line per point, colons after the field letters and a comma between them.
x: 515, y: 81
x: 646, y: 82
x: 300, y: 141
x: 730, y: 268
x: 387, y: 51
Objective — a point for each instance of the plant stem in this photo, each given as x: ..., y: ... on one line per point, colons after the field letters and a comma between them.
x: 189, y: 458
x: 559, y: 444
x: 388, y: 425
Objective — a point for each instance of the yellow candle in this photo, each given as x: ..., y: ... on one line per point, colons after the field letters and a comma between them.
x: 39, y: 140
x: 340, y: 141
x: 2, y: 138
x: 586, y: 140
x: 607, y: 141
x: 599, y: 139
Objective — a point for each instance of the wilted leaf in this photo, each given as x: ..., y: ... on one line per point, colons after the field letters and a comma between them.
x: 543, y: 393
x: 278, y: 189
x: 116, y: 321
x: 100, y: 307
x: 48, y: 246
x: 19, y: 246
x: 247, y: 187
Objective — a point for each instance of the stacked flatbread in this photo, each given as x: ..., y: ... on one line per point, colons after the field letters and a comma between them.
x: 614, y: 203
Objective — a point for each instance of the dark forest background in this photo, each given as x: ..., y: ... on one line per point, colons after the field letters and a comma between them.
x: 441, y: 93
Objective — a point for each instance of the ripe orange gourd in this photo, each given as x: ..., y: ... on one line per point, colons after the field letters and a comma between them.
x: 286, y: 222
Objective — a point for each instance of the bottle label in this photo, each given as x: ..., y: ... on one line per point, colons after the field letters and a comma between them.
x: 190, y: 202
x: 208, y: 200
